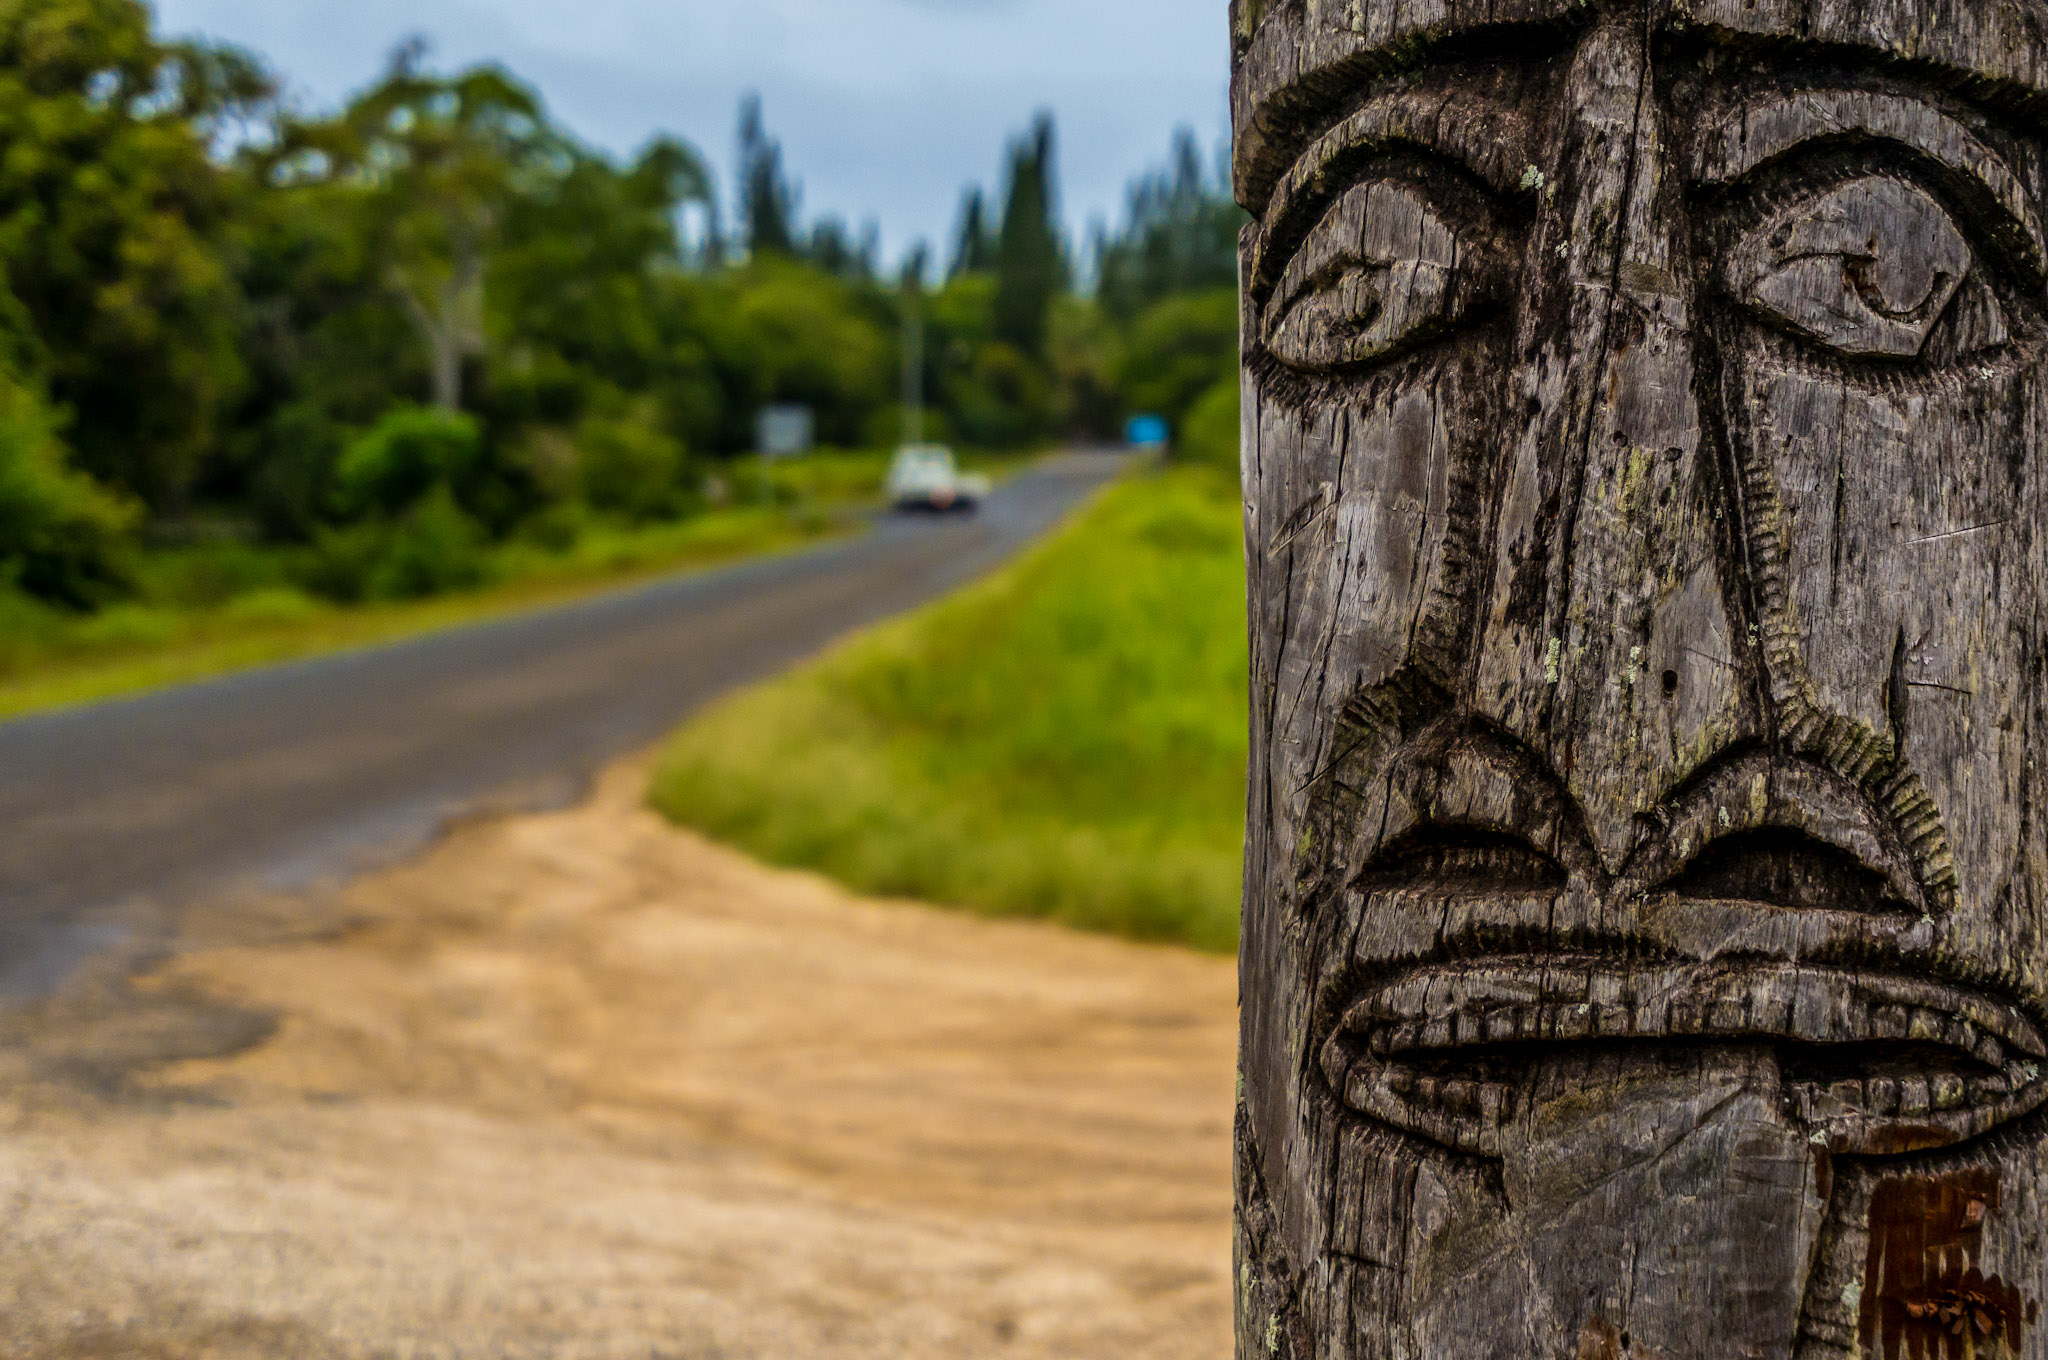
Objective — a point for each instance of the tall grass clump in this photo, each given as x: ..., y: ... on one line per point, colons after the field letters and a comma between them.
x: 1063, y: 740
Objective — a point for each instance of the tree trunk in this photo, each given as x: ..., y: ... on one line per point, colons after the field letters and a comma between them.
x: 446, y: 304
x: 1646, y: 946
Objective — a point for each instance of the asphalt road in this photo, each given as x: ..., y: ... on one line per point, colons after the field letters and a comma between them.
x: 112, y: 815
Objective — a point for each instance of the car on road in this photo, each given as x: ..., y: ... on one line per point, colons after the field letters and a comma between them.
x: 928, y: 477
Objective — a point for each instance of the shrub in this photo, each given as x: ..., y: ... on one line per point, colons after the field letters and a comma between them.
x: 434, y: 548
x: 63, y: 537
x: 1177, y: 351
x: 1210, y: 434
x: 627, y: 468
x: 404, y: 456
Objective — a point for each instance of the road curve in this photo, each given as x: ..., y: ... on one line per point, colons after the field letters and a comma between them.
x: 292, y: 774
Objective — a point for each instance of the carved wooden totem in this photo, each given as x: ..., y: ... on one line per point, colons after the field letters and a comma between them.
x: 1646, y: 472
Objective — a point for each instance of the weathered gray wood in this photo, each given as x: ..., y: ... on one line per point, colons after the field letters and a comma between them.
x: 1646, y: 490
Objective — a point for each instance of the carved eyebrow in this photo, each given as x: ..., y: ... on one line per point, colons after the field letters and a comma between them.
x: 1486, y: 139
x: 1761, y: 133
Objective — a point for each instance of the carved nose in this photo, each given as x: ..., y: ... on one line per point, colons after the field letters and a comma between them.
x: 1606, y: 643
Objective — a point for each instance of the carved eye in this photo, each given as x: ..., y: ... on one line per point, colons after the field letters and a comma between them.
x: 1381, y: 272
x: 1867, y: 269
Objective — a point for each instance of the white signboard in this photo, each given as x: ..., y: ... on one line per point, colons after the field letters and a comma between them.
x: 785, y: 431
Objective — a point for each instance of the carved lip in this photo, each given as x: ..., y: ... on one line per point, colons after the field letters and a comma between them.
x: 1872, y: 1064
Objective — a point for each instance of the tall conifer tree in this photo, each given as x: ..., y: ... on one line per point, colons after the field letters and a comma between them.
x: 768, y: 202
x: 975, y: 252
x: 1031, y: 263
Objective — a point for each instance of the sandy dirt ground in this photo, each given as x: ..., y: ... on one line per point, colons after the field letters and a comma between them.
x: 577, y: 1084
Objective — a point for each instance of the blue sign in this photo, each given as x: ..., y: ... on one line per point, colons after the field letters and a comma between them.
x: 1147, y: 432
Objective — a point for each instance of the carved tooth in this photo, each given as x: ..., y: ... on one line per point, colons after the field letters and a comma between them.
x: 1493, y: 1103
x: 1913, y: 1097
x: 1888, y: 1022
x: 1428, y: 1091
x: 1729, y: 1015
x: 1400, y: 1080
x: 1685, y: 1016
x: 1947, y: 1091
x: 1437, y: 1033
x: 1989, y: 1090
x: 1850, y: 1095
x: 1925, y: 1025
x: 1461, y: 1097
x: 1990, y: 1052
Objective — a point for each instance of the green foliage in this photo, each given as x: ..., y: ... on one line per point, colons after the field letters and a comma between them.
x: 116, y: 231
x: 1177, y: 350
x: 1212, y: 432
x: 784, y: 332
x: 249, y: 353
x: 62, y: 537
x: 1180, y: 235
x: 627, y: 468
x: 408, y: 455
x: 1066, y: 739
x: 974, y: 247
x: 1031, y: 263
x: 767, y: 200
x: 434, y: 548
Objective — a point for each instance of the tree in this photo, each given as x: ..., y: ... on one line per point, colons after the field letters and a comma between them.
x: 768, y: 201
x: 1030, y: 264
x: 975, y: 248
x: 116, y: 232
x: 1644, y: 945
x: 440, y: 161
x: 1179, y: 236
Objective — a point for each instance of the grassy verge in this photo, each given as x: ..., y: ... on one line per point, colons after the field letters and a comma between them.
x: 1065, y: 739
x: 50, y: 660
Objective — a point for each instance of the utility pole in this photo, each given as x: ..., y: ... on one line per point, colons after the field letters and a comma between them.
x: 913, y: 351
x: 1646, y: 915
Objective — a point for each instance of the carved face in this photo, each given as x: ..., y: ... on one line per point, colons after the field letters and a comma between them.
x: 1645, y: 408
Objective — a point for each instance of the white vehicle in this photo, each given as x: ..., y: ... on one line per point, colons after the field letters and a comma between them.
x: 926, y: 477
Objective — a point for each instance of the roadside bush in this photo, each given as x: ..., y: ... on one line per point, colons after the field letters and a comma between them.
x: 626, y: 468
x: 404, y: 456
x: 1177, y: 350
x: 433, y: 547
x: 1210, y: 434
x: 63, y: 538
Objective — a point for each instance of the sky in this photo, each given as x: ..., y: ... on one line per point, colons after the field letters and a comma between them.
x: 885, y: 108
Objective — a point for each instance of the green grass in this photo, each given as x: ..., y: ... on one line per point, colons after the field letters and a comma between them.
x: 1065, y: 739
x: 49, y: 659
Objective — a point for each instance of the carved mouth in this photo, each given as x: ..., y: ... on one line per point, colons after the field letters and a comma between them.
x: 1871, y: 1064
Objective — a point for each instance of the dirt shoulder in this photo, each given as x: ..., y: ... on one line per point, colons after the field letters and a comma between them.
x: 578, y: 1084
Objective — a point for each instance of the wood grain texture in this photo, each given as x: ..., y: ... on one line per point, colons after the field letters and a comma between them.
x: 1644, y: 945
